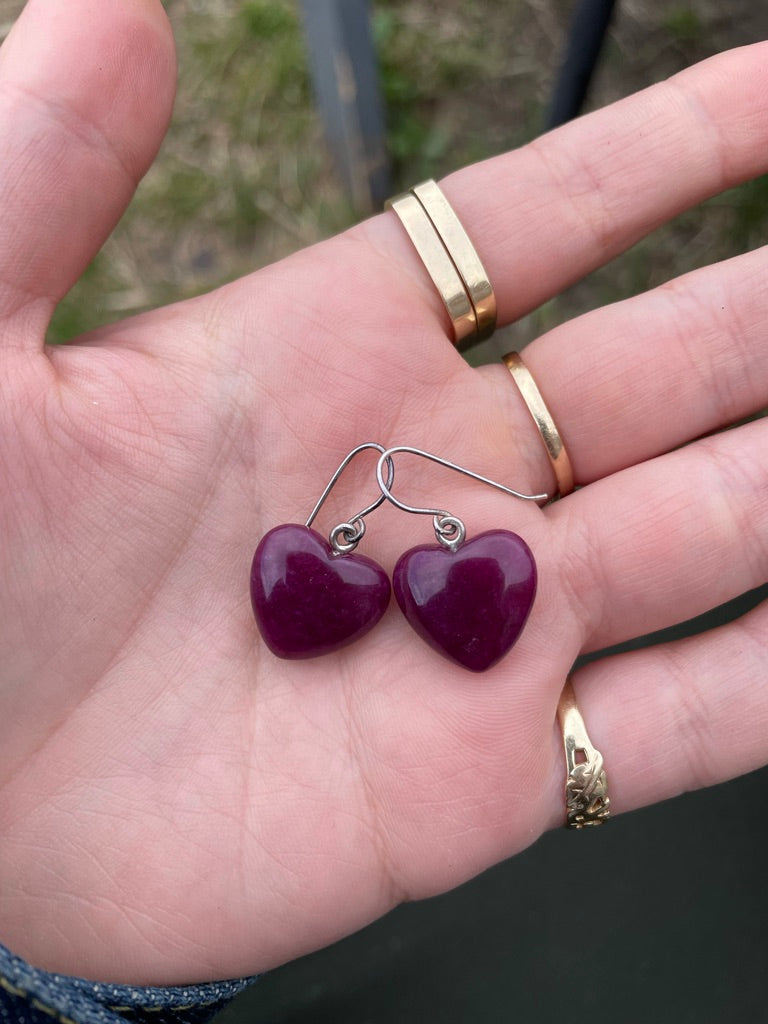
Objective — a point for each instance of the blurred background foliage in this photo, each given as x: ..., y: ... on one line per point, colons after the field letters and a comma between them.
x: 244, y: 177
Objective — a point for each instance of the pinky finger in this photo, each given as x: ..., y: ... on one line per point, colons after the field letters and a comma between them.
x: 681, y: 715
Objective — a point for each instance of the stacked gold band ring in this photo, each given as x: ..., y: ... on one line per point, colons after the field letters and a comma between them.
x: 545, y: 424
x: 450, y: 260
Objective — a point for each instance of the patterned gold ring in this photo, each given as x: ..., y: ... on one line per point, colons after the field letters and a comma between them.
x: 586, y: 787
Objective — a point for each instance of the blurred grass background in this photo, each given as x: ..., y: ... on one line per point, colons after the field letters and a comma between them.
x: 244, y: 177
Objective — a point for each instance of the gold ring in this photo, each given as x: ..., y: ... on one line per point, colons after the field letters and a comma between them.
x: 438, y: 264
x: 450, y: 260
x: 586, y: 787
x: 542, y: 417
x: 463, y: 254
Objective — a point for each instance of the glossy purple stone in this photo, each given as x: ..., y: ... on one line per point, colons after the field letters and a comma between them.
x: 308, y: 600
x: 471, y: 604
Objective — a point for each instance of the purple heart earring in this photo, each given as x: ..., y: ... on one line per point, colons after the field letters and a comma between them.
x: 311, y: 597
x: 469, y: 600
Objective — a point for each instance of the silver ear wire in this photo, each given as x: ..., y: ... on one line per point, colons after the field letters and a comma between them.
x: 346, y: 536
x: 449, y: 530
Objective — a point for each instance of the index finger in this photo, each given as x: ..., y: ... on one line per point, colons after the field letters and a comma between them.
x: 545, y: 215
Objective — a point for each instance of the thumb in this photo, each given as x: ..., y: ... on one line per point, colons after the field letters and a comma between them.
x: 86, y: 90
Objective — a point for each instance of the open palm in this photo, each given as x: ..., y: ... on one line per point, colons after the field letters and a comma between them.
x: 175, y: 802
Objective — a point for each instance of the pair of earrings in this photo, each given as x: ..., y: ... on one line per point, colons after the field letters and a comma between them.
x: 468, y: 599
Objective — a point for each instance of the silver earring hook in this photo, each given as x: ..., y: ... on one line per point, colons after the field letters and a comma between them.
x: 449, y: 530
x: 346, y: 536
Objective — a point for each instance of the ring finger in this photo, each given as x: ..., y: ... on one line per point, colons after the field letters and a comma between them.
x: 630, y: 381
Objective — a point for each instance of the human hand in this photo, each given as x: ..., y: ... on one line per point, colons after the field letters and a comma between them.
x: 176, y: 804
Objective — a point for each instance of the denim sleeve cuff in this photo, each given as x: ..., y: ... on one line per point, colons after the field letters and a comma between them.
x: 38, y: 997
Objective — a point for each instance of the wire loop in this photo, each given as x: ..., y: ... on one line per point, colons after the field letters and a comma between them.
x: 386, y: 457
x: 449, y: 530
x: 346, y: 536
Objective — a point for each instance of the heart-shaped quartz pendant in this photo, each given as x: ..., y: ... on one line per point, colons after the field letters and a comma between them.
x: 308, y: 600
x: 472, y: 603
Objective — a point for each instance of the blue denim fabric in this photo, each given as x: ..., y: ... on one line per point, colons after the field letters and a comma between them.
x: 31, y: 996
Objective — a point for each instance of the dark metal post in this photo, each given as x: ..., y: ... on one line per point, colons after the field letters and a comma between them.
x: 344, y: 70
x: 588, y: 28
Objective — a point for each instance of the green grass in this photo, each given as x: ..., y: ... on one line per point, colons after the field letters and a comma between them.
x: 684, y: 23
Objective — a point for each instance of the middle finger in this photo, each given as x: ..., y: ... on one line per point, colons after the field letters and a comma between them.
x: 633, y: 380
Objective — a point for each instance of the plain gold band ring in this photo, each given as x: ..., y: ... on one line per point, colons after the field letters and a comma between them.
x: 586, y: 787
x: 545, y: 424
